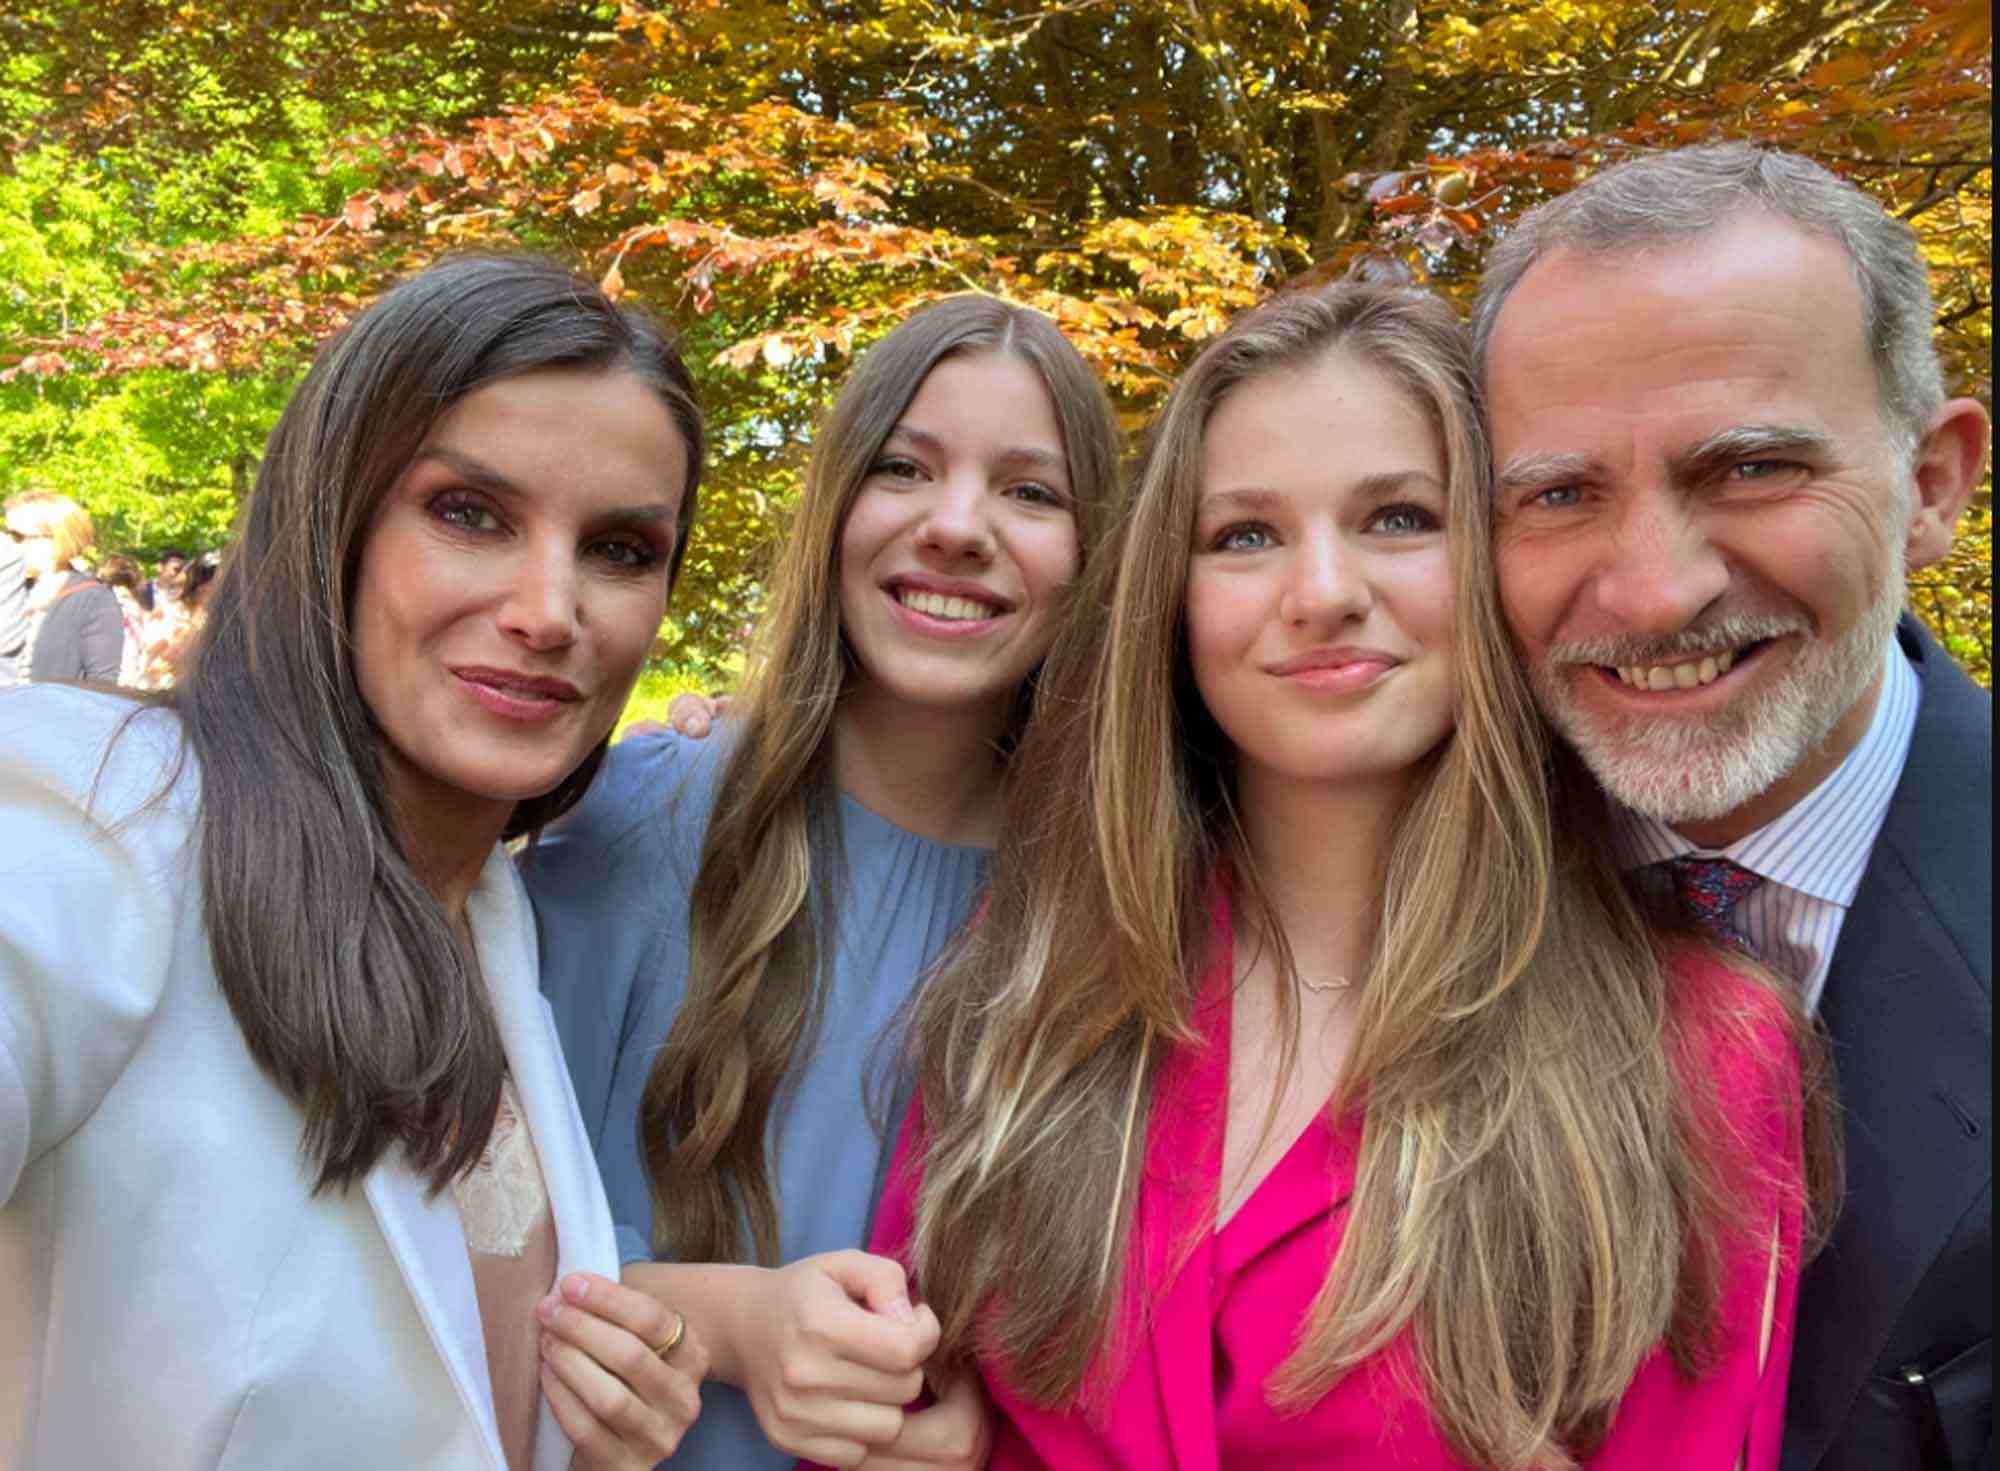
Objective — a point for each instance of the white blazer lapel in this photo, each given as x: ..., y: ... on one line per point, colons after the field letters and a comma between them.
x: 428, y: 1242
x: 503, y: 928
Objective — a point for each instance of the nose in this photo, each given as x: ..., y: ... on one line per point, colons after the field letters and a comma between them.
x: 1328, y: 583
x: 1660, y: 568
x: 956, y: 522
x: 540, y: 608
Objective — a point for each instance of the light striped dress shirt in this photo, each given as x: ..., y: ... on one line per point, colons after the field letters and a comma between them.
x: 1812, y: 856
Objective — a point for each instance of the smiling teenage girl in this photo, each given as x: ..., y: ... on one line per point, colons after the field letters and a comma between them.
x: 1308, y: 1093
x: 288, y: 1155
x: 729, y: 930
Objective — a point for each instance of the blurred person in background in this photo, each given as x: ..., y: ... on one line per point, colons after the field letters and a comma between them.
x: 75, y: 628
x: 13, y: 611
x: 181, y: 593
x: 121, y: 574
x: 168, y: 565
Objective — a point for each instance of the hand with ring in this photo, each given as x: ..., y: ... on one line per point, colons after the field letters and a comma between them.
x: 621, y: 1373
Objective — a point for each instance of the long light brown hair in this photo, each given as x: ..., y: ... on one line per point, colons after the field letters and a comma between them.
x: 336, y: 961
x: 762, y: 906
x: 1541, y: 1196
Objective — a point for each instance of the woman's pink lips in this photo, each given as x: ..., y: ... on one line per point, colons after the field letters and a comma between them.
x: 512, y: 701
x: 1353, y: 674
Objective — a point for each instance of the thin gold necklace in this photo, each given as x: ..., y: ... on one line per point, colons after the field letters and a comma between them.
x: 1320, y: 988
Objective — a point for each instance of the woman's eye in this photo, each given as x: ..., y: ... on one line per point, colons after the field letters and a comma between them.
x: 1247, y: 538
x: 896, y: 467
x: 470, y: 515
x: 1036, y: 493
x: 1405, y: 520
x: 634, y: 556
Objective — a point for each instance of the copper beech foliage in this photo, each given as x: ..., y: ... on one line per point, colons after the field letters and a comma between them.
x: 787, y: 180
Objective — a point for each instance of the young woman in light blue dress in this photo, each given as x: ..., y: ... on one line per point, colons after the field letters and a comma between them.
x: 730, y: 929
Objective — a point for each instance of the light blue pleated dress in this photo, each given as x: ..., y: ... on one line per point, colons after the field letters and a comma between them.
x: 610, y: 885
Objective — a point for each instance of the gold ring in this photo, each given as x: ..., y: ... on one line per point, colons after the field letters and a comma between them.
x: 674, y: 1338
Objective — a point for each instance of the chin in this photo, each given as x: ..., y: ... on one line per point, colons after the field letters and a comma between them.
x: 510, y: 781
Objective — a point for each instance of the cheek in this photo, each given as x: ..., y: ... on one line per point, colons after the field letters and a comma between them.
x: 862, y: 538
x: 1433, y: 607
x: 630, y: 620
x: 1528, y: 584
x: 1049, y: 557
x: 1834, y: 567
x: 403, y: 600
x: 1222, y: 621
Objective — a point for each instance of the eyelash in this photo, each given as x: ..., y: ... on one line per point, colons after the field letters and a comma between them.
x: 1225, y: 539
x: 900, y: 467
x: 1771, y: 469
x: 1037, y: 493
x: 1539, y: 499
x: 1428, y: 518
x: 452, y: 506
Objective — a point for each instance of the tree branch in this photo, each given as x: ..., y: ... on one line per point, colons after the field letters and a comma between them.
x: 1971, y: 309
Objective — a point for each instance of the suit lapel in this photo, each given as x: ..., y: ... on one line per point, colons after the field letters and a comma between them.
x: 428, y: 1243
x: 503, y: 929
x: 1177, y: 1214
x: 1912, y: 1031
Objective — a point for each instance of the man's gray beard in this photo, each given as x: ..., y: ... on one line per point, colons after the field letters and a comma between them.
x: 1688, y: 769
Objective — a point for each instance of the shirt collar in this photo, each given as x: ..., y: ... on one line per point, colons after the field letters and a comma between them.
x: 1819, y: 845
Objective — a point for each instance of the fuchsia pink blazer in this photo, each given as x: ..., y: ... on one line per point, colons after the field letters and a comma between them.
x: 1221, y: 1318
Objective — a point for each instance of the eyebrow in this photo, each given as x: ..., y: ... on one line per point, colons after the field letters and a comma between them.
x: 1020, y: 454
x: 1698, y: 462
x: 483, y: 475
x: 1746, y: 441
x: 1524, y: 471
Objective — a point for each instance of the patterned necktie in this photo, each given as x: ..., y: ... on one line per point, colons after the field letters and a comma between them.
x: 1709, y: 889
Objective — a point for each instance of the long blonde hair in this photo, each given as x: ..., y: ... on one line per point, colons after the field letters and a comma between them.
x: 763, y: 901
x: 1537, y: 1199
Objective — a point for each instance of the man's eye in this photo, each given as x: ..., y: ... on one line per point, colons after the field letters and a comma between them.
x: 1555, y: 497
x: 1759, y: 469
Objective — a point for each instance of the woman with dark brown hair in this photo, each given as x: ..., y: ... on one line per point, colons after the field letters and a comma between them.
x: 289, y: 1163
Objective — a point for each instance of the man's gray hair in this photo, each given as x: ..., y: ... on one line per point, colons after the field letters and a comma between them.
x: 1665, y: 196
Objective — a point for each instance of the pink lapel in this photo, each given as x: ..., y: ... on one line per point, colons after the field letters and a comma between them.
x: 1177, y: 1217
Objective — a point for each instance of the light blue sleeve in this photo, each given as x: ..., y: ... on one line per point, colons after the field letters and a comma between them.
x: 610, y: 884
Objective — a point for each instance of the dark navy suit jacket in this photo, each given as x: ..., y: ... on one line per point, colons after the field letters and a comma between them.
x: 1893, y: 1368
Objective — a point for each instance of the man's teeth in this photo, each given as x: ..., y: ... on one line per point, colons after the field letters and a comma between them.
x: 1678, y: 676
x: 936, y: 605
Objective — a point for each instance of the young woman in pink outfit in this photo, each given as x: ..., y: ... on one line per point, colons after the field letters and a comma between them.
x: 1311, y: 1091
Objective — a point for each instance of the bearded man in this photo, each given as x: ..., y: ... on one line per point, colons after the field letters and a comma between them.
x: 1721, y: 438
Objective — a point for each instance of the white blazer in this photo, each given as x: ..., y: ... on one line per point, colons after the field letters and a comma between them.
x: 172, y: 1295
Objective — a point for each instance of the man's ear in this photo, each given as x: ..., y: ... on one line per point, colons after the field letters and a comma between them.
x: 1950, y: 459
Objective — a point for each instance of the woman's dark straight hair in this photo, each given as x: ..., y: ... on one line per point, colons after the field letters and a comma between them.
x: 338, y: 964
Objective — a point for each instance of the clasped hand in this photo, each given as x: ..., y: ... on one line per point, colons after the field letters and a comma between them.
x: 833, y: 1353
